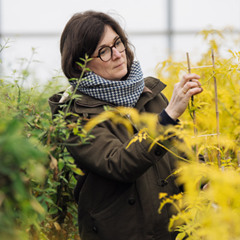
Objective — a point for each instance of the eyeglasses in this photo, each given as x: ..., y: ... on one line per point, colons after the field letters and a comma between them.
x: 105, y: 53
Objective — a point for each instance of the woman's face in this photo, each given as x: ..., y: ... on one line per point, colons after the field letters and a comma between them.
x: 116, y: 67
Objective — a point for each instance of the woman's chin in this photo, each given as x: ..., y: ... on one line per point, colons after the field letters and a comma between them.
x: 118, y: 76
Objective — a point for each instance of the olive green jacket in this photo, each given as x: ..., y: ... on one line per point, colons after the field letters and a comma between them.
x: 118, y: 197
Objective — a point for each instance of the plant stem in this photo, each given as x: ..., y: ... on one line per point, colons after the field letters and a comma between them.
x: 78, y: 82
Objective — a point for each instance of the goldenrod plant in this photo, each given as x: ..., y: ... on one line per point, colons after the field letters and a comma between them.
x: 209, y: 207
x: 227, y: 74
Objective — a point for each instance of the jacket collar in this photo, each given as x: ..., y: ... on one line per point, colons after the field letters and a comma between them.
x: 155, y: 86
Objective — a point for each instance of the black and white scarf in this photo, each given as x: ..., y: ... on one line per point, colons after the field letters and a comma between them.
x: 120, y: 93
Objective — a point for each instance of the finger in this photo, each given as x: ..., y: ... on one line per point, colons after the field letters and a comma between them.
x: 190, y: 85
x: 196, y: 81
x: 188, y: 77
x: 193, y: 91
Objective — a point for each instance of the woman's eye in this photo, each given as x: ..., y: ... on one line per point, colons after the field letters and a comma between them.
x: 118, y: 42
x: 103, y: 51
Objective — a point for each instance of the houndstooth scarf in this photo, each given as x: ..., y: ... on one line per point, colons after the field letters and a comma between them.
x: 120, y: 93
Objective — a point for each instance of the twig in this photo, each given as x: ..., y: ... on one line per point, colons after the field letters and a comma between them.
x: 192, y: 104
x: 206, y: 66
x: 84, y: 69
x: 216, y: 107
x: 207, y: 135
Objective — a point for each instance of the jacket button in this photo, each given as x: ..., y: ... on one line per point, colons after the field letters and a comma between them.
x: 131, y: 201
x: 94, y: 229
x: 162, y: 182
x: 157, y: 152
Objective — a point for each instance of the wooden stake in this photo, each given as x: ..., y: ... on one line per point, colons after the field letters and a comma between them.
x: 192, y: 104
x: 188, y: 63
x: 238, y: 158
x: 216, y: 109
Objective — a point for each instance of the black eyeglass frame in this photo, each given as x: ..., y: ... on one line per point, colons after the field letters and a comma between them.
x: 111, y: 47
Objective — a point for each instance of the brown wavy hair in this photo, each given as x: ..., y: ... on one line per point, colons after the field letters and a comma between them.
x: 81, y: 36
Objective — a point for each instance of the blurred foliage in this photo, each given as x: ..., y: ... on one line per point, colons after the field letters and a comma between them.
x: 21, y: 163
x: 37, y: 174
x: 209, y: 208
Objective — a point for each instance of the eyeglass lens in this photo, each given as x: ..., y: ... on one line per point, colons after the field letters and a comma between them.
x: 106, y: 53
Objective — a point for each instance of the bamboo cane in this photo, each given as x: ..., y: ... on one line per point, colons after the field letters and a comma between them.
x: 216, y: 109
x: 192, y: 104
x: 207, y: 66
x: 238, y: 158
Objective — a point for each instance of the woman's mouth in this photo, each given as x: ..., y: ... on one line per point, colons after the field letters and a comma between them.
x: 119, y: 65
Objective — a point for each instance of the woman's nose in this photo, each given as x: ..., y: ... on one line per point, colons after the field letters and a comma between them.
x: 115, y: 53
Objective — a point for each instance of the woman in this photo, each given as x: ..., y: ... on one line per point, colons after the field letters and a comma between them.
x: 118, y: 196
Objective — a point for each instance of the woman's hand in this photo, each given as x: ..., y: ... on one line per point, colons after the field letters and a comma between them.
x: 183, y: 90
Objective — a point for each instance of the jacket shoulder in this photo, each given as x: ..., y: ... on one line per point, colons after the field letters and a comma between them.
x: 83, y: 105
x: 154, y: 84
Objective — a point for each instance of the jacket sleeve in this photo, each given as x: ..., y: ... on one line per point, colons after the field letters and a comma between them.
x: 108, y: 155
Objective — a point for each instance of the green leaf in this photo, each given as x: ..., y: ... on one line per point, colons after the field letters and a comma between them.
x: 181, y: 236
x: 78, y: 171
x: 61, y: 164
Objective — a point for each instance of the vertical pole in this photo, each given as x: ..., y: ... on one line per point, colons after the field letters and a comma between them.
x: 192, y: 105
x: 238, y: 158
x: 192, y: 98
x: 169, y: 27
x: 216, y: 109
